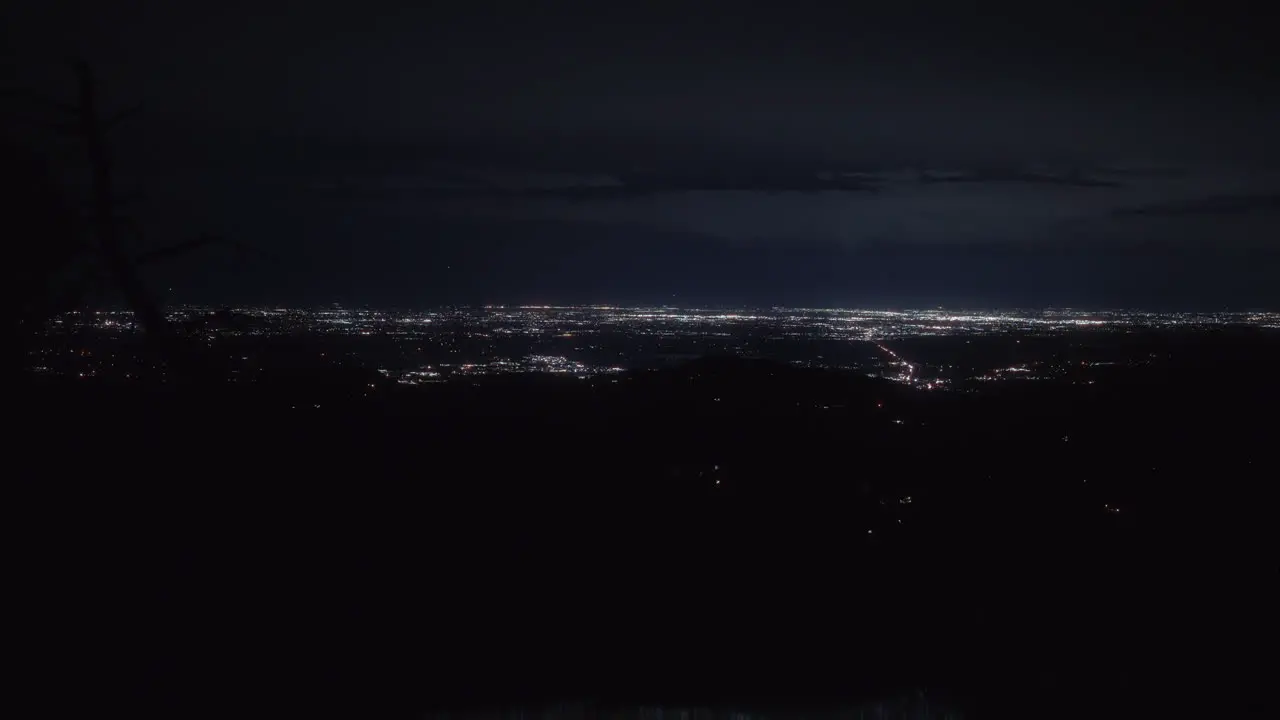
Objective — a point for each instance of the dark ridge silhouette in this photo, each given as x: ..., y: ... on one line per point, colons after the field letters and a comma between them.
x: 808, y: 537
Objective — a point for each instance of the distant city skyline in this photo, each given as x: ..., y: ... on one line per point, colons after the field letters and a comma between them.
x: 432, y: 346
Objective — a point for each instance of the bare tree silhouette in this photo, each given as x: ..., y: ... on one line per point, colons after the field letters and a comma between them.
x: 61, y: 239
x: 48, y: 261
x: 93, y: 128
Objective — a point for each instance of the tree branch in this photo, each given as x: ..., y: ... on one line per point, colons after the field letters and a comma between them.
x: 74, y: 127
x: 36, y: 98
x: 177, y: 250
x: 188, y: 246
x: 135, y: 292
x: 124, y: 114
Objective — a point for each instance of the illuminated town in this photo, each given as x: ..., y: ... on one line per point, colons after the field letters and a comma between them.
x: 928, y: 349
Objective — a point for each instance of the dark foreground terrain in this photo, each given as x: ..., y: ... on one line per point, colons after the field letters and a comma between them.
x: 729, y: 534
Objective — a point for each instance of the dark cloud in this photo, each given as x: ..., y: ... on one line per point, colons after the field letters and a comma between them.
x: 1214, y: 205
x: 532, y: 186
x: 1074, y: 176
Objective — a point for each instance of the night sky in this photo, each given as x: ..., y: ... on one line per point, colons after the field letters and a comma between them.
x: 765, y: 153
